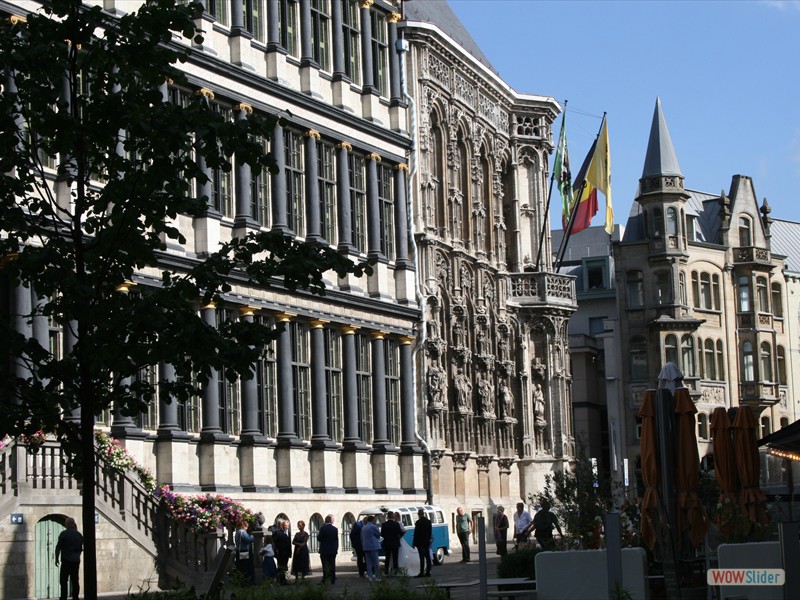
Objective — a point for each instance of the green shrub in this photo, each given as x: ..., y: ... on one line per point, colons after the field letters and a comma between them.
x: 519, y: 564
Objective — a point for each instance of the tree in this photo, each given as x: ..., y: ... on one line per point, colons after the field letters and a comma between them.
x: 97, y: 168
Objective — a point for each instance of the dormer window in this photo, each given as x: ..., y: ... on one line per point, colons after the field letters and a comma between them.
x: 745, y: 232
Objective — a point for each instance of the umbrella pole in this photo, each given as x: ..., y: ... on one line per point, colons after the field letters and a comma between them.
x: 665, y: 432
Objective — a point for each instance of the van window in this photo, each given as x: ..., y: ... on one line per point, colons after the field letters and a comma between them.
x: 406, y: 520
x: 438, y: 517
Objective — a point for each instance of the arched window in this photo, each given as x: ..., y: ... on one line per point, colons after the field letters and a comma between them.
x: 705, y: 290
x: 748, y: 366
x: 766, y: 362
x: 639, y: 367
x: 744, y: 294
x: 314, y: 525
x: 687, y: 355
x: 671, y: 349
x: 635, y: 289
x: 711, y: 371
x: 763, y: 294
x: 745, y: 232
x: 695, y: 289
x: 715, y: 292
x: 348, y: 520
x: 766, y: 427
x: 701, y: 363
x: 784, y: 422
x: 777, y: 301
x: 720, y: 361
x: 682, y: 288
x: 702, y: 426
x: 465, y: 178
x: 439, y: 180
x: 672, y: 221
x: 780, y: 353
x: 658, y: 223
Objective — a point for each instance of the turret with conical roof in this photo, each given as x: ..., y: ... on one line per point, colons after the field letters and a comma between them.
x: 661, y: 192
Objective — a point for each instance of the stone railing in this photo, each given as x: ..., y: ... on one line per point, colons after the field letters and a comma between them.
x: 534, y: 289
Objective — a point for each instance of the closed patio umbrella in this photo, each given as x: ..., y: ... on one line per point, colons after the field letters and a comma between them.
x: 692, y: 517
x: 725, y: 469
x: 651, y: 472
x: 751, y: 498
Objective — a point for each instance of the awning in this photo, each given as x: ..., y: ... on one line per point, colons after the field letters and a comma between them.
x: 785, y: 442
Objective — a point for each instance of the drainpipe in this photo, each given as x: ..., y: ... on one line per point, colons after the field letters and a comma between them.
x: 402, y: 48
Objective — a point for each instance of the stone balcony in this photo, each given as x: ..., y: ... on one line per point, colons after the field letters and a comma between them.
x: 542, y: 289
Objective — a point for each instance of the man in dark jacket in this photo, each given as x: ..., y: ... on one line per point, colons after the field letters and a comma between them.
x: 423, y: 537
x: 355, y: 541
x: 283, y: 549
x: 392, y: 533
x: 328, y: 538
x: 68, y: 550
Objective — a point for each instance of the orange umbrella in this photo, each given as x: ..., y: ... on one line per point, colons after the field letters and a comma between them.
x: 691, y: 514
x: 751, y: 498
x: 651, y: 472
x: 724, y: 463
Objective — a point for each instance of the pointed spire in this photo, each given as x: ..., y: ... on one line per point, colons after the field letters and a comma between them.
x: 661, y: 159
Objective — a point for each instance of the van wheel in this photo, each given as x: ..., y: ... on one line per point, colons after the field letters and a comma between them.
x: 438, y: 556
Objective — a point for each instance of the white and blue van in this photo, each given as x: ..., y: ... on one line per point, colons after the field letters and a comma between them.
x: 409, y: 557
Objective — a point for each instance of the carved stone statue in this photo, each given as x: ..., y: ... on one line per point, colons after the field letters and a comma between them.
x: 506, y: 400
x: 435, y: 386
x: 485, y: 392
x: 463, y: 391
x: 538, y: 404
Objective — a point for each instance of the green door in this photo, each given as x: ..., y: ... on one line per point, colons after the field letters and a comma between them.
x: 47, y: 530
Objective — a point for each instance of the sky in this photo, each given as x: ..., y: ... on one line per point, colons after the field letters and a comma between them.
x: 727, y: 73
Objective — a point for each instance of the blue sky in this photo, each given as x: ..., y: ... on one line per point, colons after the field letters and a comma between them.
x: 727, y: 73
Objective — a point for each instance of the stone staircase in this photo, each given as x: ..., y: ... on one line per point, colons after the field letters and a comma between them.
x: 41, y: 479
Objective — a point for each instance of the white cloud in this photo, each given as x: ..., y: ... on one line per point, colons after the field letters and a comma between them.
x: 783, y: 5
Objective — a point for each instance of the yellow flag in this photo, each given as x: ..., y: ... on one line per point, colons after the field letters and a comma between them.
x: 599, y: 173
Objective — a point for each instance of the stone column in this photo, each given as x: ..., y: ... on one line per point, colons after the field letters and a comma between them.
x: 286, y: 432
x: 379, y: 438
x: 319, y: 398
x: 373, y: 207
x: 250, y: 430
x: 313, y: 233
x: 279, y: 182
x: 396, y: 94
x: 306, y: 50
x: 242, y: 175
x: 401, y: 215
x: 410, y: 452
x: 210, y: 389
x: 343, y: 197
x: 337, y: 41
x: 368, y: 85
x: 171, y: 446
x: 273, y: 27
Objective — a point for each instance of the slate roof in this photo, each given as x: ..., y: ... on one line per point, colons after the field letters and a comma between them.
x: 785, y: 241
x: 660, y: 158
x: 439, y: 13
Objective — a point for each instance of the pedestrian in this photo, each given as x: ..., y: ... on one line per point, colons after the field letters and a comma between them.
x: 543, y: 523
x: 522, y: 521
x: 501, y: 531
x: 392, y: 533
x: 328, y: 538
x: 371, y: 542
x: 283, y: 549
x: 464, y: 528
x: 355, y: 541
x: 68, y: 551
x: 243, y: 543
x: 301, y: 559
x: 423, y: 537
x: 269, y: 570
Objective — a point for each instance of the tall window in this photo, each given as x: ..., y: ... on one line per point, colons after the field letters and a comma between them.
x: 672, y: 221
x: 766, y: 362
x: 715, y: 296
x: 687, y: 355
x: 364, y: 386
x: 766, y: 427
x: 380, y: 52
x: 386, y: 204
x: 267, y: 385
x: 255, y: 18
x: 301, y: 377
x: 259, y: 193
x: 221, y: 179
x: 333, y: 384
x: 287, y: 26
x: 671, y: 349
x: 711, y: 360
x: 780, y: 354
x: 147, y: 376
x: 748, y: 365
x: 696, y: 289
x: 658, y: 223
x: 705, y: 290
x: 229, y: 398
x: 638, y: 348
x: 682, y: 288
x: 635, y: 283
x: 744, y: 294
x: 352, y: 39
x: 393, y: 390
x: 358, y: 202
x: 777, y: 301
x: 189, y: 415
x: 720, y: 361
x: 702, y: 426
x: 295, y: 175
x: 326, y: 172
x: 745, y: 232
x: 763, y: 294
x: 320, y: 33
x: 220, y: 10
x: 662, y: 288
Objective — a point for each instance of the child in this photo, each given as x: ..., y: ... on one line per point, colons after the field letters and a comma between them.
x: 269, y: 569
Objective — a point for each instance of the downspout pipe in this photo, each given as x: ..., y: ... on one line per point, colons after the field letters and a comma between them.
x: 402, y: 48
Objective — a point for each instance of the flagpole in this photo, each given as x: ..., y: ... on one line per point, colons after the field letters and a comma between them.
x: 562, y: 248
x: 546, y: 224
